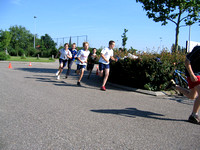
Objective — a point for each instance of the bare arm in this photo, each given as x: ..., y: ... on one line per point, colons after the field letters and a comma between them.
x: 79, y: 59
x: 104, y: 58
x: 190, y: 71
x: 113, y: 58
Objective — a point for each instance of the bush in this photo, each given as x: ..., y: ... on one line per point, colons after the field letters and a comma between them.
x: 147, y: 72
x: 3, y: 56
x: 20, y: 52
x: 13, y: 52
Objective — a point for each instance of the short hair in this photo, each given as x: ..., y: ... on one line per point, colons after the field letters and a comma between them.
x: 74, y: 44
x: 85, y: 43
x: 66, y: 44
x: 111, y: 42
x: 94, y: 49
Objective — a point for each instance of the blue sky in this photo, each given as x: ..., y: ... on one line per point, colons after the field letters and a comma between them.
x: 100, y: 20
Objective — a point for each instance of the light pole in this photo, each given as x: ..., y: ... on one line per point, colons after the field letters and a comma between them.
x: 34, y: 31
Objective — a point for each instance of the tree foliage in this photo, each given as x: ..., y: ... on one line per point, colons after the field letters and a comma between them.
x: 19, y: 41
x: 124, y: 38
x: 180, y: 12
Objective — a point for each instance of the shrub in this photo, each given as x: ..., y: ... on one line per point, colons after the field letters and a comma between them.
x: 20, y: 52
x: 13, y: 52
x: 3, y: 56
x: 150, y: 71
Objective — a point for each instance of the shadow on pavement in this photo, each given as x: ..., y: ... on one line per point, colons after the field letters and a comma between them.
x: 133, y: 113
x: 94, y: 82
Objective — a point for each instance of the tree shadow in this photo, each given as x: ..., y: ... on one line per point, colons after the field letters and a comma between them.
x: 134, y: 112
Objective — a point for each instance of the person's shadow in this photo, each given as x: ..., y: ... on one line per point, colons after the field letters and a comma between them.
x: 134, y: 112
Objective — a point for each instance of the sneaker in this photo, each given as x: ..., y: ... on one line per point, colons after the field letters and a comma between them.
x: 78, y: 83
x: 103, y: 88
x: 57, y: 73
x: 171, y: 85
x: 194, y: 119
x: 58, y: 77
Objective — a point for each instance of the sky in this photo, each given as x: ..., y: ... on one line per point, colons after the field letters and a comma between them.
x: 100, y: 20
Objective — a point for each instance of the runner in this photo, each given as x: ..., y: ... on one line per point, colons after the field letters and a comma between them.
x: 65, y: 54
x: 193, y: 76
x: 106, y: 55
x: 71, y: 60
x: 82, y: 61
x: 91, y: 61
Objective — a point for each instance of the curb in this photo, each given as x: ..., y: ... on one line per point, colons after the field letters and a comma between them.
x: 153, y: 93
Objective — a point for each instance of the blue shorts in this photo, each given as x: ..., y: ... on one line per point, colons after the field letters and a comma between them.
x: 103, y: 66
x: 79, y: 67
x: 63, y: 61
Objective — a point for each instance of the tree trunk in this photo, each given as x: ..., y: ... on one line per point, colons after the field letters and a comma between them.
x: 177, y: 31
x: 176, y: 38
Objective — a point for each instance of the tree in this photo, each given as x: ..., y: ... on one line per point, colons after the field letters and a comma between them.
x: 124, y: 38
x: 21, y: 38
x: 5, y: 38
x: 180, y: 12
x: 46, y: 44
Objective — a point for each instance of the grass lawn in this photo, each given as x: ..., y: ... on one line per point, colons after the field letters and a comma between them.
x: 30, y: 59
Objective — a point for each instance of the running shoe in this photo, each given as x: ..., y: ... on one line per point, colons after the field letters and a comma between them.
x: 103, y: 88
x: 194, y: 119
x: 78, y: 83
x: 171, y: 85
x: 57, y: 73
x: 58, y: 77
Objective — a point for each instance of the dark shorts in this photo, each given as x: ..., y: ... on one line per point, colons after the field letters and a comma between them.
x: 90, y: 66
x: 103, y: 66
x: 193, y: 84
x: 79, y: 67
x: 63, y: 61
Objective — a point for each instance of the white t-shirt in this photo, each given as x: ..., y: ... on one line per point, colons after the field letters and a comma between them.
x: 83, y: 55
x: 64, y: 53
x: 107, y: 52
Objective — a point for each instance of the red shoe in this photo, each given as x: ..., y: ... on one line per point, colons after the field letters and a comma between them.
x: 103, y: 88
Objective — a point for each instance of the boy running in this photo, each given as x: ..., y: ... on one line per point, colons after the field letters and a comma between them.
x: 65, y: 54
x: 106, y: 55
x: 82, y: 61
x: 91, y: 61
x: 192, y: 64
x: 71, y: 60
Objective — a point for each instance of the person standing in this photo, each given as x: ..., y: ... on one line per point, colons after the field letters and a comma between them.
x: 104, y: 62
x: 70, y: 61
x: 65, y: 54
x: 82, y: 61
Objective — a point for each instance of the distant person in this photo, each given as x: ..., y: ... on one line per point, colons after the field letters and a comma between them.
x: 91, y: 61
x: 104, y: 63
x: 192, y: 64
x: 65, y: 54
x: 82, y: 61
x: 70, y: 61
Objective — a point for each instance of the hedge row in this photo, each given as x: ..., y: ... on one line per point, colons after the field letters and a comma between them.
x: 150, y: 71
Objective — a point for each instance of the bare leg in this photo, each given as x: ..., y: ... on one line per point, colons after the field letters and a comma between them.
x: 60, y: 68
x: 196, y: 106
x: 101, y: 73
x: 81, y: 74
x: 106, y: 76
x: 191, y: 94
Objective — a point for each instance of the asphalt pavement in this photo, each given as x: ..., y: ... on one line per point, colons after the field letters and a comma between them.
x: 38, y: 112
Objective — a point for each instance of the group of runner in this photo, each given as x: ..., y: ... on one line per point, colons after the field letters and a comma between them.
x: 85, y: 58
x: 191, y: 63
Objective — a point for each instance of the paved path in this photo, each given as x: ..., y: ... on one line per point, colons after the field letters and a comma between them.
x: 39, y: 112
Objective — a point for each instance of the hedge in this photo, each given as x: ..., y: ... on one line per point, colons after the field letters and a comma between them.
x: 150, y: 71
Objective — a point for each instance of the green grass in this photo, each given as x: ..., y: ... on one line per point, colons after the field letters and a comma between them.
x: 30, y: 59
